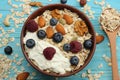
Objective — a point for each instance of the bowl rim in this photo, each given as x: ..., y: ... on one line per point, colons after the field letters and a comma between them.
x: 73, y: 10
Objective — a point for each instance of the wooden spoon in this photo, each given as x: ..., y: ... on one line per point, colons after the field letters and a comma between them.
x: 112, y: 39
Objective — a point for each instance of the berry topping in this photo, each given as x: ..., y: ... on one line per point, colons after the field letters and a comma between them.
x: 57, y: 37
x: 53, y: 21
x: 88, y: 44
x: 63, y: 1
x: 8, y: 50
x: 31, y: 26
x: 30, y: 43
x: 74, y: 60
x: 66, y: 47
x: 75, y: 46
x: 49, y: 53
x: 41, y: 34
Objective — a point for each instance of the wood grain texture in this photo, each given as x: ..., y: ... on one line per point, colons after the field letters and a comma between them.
x: 101, y: 48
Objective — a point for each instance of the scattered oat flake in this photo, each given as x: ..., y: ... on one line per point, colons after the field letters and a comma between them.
x: 100, y: 65
x: 107, y: 59
x: 78, y: 0
x: 0, y: 15
x: 5, y: 65
x: 4, y: 36
x: 17, y: 44
x: 88, y: 74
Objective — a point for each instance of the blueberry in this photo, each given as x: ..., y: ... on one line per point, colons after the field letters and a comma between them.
x: 8, y: 50
x: 53, y: 21
x: 74, y: 60
x: 41, y: 34
x: 88, y: 44
x: 30, y: 43
x: 63, y: 1
x: 57, y: 37
x: 66, y: 47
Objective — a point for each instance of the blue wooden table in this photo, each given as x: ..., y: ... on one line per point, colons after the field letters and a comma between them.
x: 101, y: 49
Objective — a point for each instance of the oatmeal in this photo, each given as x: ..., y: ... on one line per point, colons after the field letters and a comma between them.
x: 57, y: 41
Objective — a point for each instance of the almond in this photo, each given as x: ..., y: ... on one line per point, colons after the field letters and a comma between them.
x: 22, y: 76
x: 36, y: 4
x: 41, y: 21
x: 68, y: 19
x: 99, y: 39
x: 49, y: 32
x: 60, y: 29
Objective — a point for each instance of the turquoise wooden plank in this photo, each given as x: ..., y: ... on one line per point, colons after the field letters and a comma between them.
x: 100, y: 48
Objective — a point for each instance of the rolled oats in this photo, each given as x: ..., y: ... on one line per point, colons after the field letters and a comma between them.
x: 5, y: 65
x: 110, y: 19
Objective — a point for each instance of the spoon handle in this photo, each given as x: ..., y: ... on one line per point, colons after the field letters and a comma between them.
x: 115, y: 73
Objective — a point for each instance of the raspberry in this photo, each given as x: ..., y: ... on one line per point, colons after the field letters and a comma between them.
x: 75, y: 46
x: 31, y: 26
x: 49, y: 53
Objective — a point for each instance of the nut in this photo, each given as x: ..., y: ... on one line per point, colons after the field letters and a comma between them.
x: 99, y: 39
x: 37, y: 4
x: 56, y: 14
x: 60, y: 29
x: 68, y: 19
x: 7, y: 20
x: 80, y: 28
x: 41, y: 21
x: 22, y: 76
x: 49, y: 32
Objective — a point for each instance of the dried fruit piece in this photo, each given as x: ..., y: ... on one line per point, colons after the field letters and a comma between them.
x: 49, y: 32
x: 49, y: 52
x: 31, y: 26
x: 68, y: 19
x: 41, y: 21
x: 36, y: 4
x: 80, y: 28
x: 83, y: 2
x: 60, y: 29
x: 99, y: 39
x: 56, y: 14
x: 75, y: 46
x: 23, y: 76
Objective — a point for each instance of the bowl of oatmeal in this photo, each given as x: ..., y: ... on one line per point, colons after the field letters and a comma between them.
x: 58, y: 40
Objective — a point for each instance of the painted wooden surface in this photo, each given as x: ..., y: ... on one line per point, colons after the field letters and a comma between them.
x: 97, y: 59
